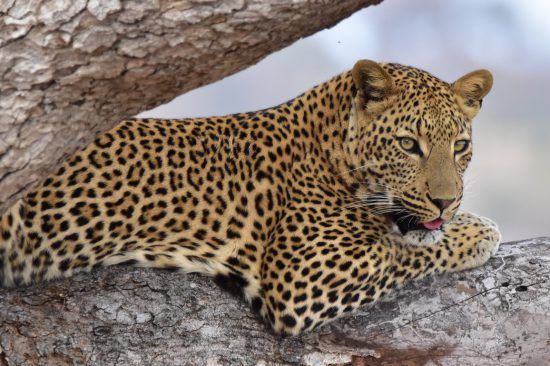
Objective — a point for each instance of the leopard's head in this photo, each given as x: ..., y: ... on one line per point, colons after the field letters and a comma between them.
x: 409, y: 138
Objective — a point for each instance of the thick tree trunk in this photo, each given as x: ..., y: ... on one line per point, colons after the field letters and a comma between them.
x: 494, y: 315
x: 71, y: 69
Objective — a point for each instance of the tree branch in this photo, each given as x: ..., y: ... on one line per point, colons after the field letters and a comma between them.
x: 496, y: 314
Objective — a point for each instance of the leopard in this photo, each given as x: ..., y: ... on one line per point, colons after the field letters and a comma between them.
x: 308, y: 210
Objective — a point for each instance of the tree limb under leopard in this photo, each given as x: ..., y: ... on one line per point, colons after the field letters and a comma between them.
x: 495, y: 314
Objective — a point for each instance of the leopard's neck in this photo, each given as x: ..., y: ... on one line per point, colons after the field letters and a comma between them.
x: 324, y: 112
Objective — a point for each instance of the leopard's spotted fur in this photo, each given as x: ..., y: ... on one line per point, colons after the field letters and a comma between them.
x: 293, y: 206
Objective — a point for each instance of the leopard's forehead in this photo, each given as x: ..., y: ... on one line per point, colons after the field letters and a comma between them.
x: 405, y: 76
x: 427, y: 105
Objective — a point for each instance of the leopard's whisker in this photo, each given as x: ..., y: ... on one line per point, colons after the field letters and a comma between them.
x: 369, y: 163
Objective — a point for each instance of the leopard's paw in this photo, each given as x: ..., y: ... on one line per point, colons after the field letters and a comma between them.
x: 494, y: 237
x: 479, y: 228
x: 480, y: 237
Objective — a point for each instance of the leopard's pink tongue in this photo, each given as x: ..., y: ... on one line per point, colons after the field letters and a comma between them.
x: 433, y: 225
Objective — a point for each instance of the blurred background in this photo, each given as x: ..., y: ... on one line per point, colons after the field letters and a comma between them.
x: 509, y: 177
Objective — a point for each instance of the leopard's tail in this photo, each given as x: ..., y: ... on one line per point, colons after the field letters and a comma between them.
x: 12, y: 240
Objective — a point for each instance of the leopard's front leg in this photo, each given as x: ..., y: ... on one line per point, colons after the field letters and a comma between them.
x: 311, y: 280
x: 468, y: 241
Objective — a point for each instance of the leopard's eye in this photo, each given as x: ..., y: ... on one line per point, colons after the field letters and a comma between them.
x: 461, y: 146
x: 409, y: 145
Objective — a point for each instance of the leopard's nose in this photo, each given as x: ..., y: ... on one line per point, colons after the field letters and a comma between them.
x: 442, y: 204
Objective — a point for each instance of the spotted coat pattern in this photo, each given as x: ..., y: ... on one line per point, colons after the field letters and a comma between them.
x: 273, y: 204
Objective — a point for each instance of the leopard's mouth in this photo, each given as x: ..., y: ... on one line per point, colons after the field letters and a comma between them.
x: 408, y: 222
x: 404, y: 219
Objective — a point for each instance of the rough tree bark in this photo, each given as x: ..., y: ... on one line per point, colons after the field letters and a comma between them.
x: 494, y: 315
x: 71, y: 69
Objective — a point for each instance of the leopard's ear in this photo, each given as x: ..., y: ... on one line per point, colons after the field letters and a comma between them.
x: 471, y: 89
x: 374, y: 85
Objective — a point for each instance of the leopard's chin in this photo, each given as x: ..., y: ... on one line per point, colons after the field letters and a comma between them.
x: 423, y: 237
x: 415, y: 232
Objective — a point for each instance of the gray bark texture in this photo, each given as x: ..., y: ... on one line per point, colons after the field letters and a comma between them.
x: 494, y: 315
x: 72, y: 69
